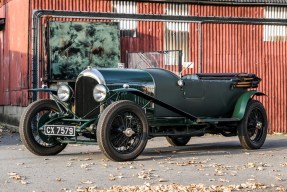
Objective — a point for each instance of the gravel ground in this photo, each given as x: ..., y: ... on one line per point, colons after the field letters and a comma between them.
x: 209, y: 163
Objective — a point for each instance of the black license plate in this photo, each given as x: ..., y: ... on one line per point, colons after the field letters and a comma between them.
x: 60, y: 130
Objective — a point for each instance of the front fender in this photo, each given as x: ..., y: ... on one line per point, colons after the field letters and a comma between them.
x: 61, y: 105
x: 241, y: 103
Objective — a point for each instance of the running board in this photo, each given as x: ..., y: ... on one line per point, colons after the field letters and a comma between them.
x: 211, y: 120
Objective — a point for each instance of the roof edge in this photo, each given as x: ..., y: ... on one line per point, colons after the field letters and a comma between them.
x: 218, y: 2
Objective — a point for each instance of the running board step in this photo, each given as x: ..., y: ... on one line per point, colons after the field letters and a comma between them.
x: 210, y: 120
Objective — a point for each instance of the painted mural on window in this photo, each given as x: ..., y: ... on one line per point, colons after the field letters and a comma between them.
x: 75, y: 45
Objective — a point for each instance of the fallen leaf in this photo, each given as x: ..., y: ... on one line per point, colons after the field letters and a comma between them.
x: 87, y: 182
x: 86, y: 159
x: 162, y: 180
x: 260, y: 168
x: 24, y: 182
x: 58, y: 179
x: 279, y: 179
x: 17, y: 177
x: 280, y: 189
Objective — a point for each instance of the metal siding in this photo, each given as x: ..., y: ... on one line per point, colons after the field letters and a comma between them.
x: 149, y: 34
x: 250, y: 1
x: 176, y: 36
x: 226, y: 11
x: 75, y: 5
x: 194, y: 47
x: 14, y: 56
x: 6, y: 63
x: 275, y: 58
x: 18, y: 14
x: 2, y: 96
x: 241, y: 48
x: 275, y: 33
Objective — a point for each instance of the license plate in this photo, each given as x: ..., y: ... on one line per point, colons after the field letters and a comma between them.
x: 60, y: 130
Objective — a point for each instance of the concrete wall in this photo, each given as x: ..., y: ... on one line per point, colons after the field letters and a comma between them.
x: 11, y: 114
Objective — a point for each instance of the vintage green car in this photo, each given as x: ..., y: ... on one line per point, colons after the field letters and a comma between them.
x: 120, y: 109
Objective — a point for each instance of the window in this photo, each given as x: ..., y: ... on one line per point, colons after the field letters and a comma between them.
x: 2, y: 24
x: 127, y: 27
x: 176, y: 36
x: 275, y: 32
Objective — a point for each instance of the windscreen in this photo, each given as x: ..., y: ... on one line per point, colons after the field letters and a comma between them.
x: 170, y: 60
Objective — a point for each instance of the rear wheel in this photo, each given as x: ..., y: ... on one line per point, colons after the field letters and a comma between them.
x: 122, y: 131
x: 178, y: 140
x: 34, y: 117
x: 252, y: 130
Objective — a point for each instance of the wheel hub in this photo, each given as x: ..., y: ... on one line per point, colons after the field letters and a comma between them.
x: 128, y: 132
x: 259, y: 125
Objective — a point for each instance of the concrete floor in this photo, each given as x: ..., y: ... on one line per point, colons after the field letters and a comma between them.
x: 213, y: 161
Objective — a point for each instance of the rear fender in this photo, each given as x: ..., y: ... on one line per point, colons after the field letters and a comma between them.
x: 241, y: 103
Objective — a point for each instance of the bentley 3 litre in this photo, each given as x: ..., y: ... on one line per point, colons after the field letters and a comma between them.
x: 121, y: 109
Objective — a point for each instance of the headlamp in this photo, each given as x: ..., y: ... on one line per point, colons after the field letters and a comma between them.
x: 100, y: 92
x: 64, y: 92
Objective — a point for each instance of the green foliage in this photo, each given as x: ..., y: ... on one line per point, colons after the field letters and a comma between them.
x: 75, y: 45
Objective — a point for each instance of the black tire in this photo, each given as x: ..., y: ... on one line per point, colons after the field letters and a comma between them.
x: 252, y: 130
x: 33, y: 139
x: 178, y: 141
x: 122, y: 131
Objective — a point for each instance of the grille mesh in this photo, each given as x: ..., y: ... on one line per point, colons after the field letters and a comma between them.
x: 84, y: 97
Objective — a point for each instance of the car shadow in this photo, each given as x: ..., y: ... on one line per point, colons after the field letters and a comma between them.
x: 201, y: 149
x: 209, y: 149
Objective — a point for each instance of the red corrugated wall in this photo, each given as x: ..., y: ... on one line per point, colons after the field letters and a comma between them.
x: 240, y: 48
x: 14, y: 50
x: 149, y: 34
x: 74, y: 5
x: 225, y: 48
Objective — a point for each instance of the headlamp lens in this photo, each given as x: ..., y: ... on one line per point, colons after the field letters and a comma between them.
x: 64, y: 92
x: 100, y: 92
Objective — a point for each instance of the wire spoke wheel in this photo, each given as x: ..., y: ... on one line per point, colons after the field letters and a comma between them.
x: 36, y: 123
x: 252, y: 130
x: 125, y: 132
x: 122, y: 131
x: 34, y: 118
x: 255, y: 124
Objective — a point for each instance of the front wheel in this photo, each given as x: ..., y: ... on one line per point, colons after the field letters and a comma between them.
x: 178, y: 141
x: 34, y: 117
x: 252, y: 130
x: 122, y: 131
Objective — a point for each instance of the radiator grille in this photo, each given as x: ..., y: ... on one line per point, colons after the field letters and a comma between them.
x: 85, y: 102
